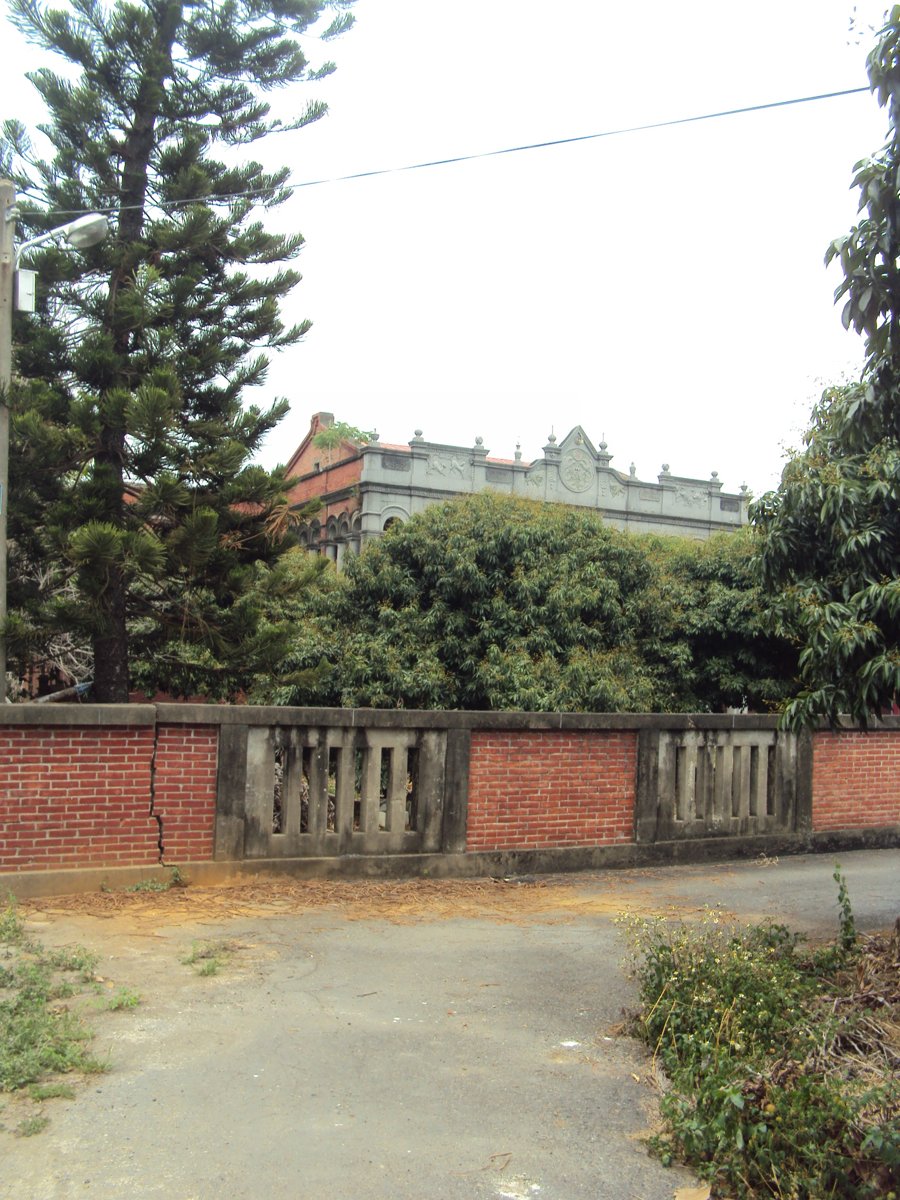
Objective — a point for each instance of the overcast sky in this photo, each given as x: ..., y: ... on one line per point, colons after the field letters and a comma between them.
x: 664, y: 289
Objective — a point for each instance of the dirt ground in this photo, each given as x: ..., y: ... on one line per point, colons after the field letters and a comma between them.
x: 384, y: 1040
x: 398, y: 901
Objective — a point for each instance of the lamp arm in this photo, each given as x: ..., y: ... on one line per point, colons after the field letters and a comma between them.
x: 24, y: 247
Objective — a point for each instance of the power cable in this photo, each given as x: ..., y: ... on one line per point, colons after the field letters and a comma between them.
x: 460, y: 158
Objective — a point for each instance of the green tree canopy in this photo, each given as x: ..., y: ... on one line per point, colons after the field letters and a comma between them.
x: 339, y: 431
x: 722, y: 613
x: 830, y: 534
x: 132, y: 448
x: 488, y: 602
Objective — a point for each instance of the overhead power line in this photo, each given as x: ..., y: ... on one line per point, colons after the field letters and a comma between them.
x: 583, y: 137
x: 461, y: 158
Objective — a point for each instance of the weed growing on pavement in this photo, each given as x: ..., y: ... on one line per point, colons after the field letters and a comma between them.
x: 12, y: 931
x: 51, y: 1091
x: 149, y: 885
x: 122, y: 999
x: 782, y: 1059
x: 74, y: 959
x: 176, y: 880
x: 32, y: 1125
x: 40, y: 1034
x: 208, y: 958
x: 848, y: 925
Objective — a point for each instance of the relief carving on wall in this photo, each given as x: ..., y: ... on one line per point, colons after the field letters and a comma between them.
x: 536, y: 477
x: 690, y: 498
x: 577, y: 471
x: 447, y: 465
x: 610, y: 489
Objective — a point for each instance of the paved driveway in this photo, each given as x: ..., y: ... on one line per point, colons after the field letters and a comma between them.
x: 457, y: 1044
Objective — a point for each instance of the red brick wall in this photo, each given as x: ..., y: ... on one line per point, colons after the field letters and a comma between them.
x: 856, y: 780
x: 528, y: 790
x: 80, y: 797
x: 328, y: 479
x: 185, y: 790
x: 73, y: 797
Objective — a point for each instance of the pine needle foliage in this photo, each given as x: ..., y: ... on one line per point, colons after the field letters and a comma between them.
x: 132, y: 444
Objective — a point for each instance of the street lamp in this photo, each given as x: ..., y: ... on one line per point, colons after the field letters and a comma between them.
x: 84, y: 231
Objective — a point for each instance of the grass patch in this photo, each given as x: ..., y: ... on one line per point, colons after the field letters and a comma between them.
x: 122, y: 999
x: 74, y: 960
x: 40, y: 1033
x: 208, y: 958
x: 51, y: 1091
x: 175, y: 880
x: 782, y: 1060
x: 149, y: 885
x: 32, y: 1125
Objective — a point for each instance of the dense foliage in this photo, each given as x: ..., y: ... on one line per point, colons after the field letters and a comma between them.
x: 781, y: 1061
x: 831, y: 532
x: 720, y: 612
x: 493, y: 603
x: 139, y: 523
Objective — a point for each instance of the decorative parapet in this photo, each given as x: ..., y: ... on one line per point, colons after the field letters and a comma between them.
x: 572, y: 471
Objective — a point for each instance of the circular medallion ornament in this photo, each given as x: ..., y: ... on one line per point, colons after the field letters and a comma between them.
x: 577, y: 471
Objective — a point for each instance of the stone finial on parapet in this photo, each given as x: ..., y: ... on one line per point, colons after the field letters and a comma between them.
x: 518, y: 454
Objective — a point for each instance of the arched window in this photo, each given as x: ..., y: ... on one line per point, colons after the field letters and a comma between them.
x: 355, y: 533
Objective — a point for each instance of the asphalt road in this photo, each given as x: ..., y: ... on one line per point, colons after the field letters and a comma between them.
x: 369, y: 1059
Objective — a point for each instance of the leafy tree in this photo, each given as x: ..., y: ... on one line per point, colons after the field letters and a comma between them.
x: 721, y: 614
x: 133, y: 448
x: 830, y: 534
x: 339, y: 431
x: 494, y: 603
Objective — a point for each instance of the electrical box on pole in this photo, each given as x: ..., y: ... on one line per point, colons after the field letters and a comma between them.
x: 26, y: 289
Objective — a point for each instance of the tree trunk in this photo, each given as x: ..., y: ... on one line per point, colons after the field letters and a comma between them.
x: 111, y: 648
x: 111, y: 645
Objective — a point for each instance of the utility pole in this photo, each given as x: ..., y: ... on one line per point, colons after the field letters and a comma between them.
x: 86, y: 230
x: 7, y: 284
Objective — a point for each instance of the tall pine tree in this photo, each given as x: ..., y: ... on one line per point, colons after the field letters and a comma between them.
x: 132, y: 472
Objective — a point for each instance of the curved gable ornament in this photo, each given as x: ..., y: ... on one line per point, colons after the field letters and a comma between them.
x: 577, y: 471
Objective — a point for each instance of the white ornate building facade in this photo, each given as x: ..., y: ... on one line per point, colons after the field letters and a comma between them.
x: 366, y: 487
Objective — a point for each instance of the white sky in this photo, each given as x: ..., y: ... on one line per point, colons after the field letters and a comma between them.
x: 665, y: 289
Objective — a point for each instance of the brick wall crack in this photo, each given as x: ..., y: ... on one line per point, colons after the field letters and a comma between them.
x: 157, y: 817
